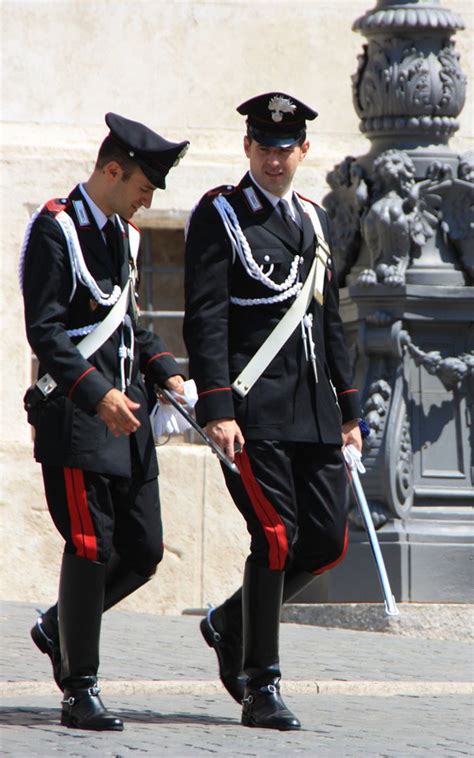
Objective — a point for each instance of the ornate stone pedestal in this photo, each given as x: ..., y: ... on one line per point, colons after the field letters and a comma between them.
x: 403, y: 227
x: 428, y: 559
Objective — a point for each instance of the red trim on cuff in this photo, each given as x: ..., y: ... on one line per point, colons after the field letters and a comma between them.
x: 92, y: 368
x: 218, y: 389
x: 158, y: 355
x: 346, y: 392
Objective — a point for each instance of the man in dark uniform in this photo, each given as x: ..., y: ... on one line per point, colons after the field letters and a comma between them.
x: 89, y: 407
x: 250, y: 250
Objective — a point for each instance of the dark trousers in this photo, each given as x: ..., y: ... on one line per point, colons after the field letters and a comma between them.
x: 293, y: 498
x: 95, y: 513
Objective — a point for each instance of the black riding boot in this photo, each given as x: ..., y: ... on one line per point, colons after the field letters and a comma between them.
x: 295, y: 581
x: 80, y: 607
x: 45, y: 635
x: 222, y: 630
x: 120, y: 582
x: 261, y: 603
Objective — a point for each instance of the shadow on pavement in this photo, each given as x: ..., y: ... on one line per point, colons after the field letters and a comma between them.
x: 50, y: 716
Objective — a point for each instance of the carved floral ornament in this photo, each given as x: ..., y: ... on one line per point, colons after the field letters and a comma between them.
x: 409, y: 78
x: 456, y: 373
x: 399, y: 88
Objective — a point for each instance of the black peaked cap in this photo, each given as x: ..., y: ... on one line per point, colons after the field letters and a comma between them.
x: 154, y: 154
x: 276, y: 119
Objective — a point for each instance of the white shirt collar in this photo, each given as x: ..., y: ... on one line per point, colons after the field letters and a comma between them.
x: 99, y: 216
x: 274, y: 199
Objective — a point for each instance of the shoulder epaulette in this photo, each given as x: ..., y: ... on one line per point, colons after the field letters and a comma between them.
x: 55, y: 206
x: 224, y: 189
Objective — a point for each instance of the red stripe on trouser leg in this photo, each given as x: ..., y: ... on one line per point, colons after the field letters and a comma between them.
x: 272, y: 525
x: 328, y: 566
x: 82, y: 528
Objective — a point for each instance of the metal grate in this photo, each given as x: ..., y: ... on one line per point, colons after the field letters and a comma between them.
x: 161, y: 267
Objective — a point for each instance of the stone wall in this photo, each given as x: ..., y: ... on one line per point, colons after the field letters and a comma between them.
x: 204, y: 535
x: 181, y: 67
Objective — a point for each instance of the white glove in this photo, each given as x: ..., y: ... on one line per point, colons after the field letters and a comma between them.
x: 167, y: 420
x: 353, y: 458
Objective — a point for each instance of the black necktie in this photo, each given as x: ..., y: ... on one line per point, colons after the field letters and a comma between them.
x: 292, y: 226
x: 110, y: 232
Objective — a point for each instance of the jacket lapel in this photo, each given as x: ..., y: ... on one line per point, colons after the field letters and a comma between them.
x: 266, y: 215
x: 308, y: 229
x: 88, y: 232
x: 124, y: 246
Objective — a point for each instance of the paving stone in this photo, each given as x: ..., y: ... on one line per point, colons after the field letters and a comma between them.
x: 169, y: 649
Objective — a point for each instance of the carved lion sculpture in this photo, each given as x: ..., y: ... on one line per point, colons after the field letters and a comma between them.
x: 393, y: 222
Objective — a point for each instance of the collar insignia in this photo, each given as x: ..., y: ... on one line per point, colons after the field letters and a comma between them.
x: 252, y: 199
x: 81, y: 213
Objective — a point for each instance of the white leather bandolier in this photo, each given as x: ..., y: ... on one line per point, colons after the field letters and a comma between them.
x: 99, y: 333
x: 313, y: 287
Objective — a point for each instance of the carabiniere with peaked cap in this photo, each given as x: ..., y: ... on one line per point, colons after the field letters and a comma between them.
x: 267, y: 352
x: 78, y: 277
x: 154, y: 154
x: 275, y: 119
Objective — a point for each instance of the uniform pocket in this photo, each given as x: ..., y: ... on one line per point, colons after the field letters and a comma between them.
x: 88, y: 432
x: 269, y: 256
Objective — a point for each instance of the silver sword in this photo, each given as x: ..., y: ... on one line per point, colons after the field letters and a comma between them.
x: 389, y: 600
x: 208, y: 440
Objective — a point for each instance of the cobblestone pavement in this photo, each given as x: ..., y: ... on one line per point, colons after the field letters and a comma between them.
x: 356, y: 694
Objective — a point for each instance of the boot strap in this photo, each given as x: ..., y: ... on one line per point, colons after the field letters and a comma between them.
x: 93, y: 691
x: 267, y: 688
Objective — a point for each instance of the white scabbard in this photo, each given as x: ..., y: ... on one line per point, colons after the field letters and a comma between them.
x: 389, y: 600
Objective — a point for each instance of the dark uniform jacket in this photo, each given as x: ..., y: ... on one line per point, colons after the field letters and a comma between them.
x: 68, y: 431
x: 286, y: 403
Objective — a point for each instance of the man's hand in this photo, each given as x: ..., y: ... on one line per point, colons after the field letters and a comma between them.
x: 173, y: 384
x: 351, y: 434
x: 116, y: 411
x: 226, y: 433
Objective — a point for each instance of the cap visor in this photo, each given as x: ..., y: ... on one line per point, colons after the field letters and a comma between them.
x: 272, y: 139
x: 153, y: 176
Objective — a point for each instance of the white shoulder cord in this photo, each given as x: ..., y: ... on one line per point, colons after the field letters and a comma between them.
x: 26, y: 239
x: 80, y: 271
x: 312, y: 288
x: 84, y: 330
x: 81, y: 331
x: 239, y: 242
x: 78, y: 264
